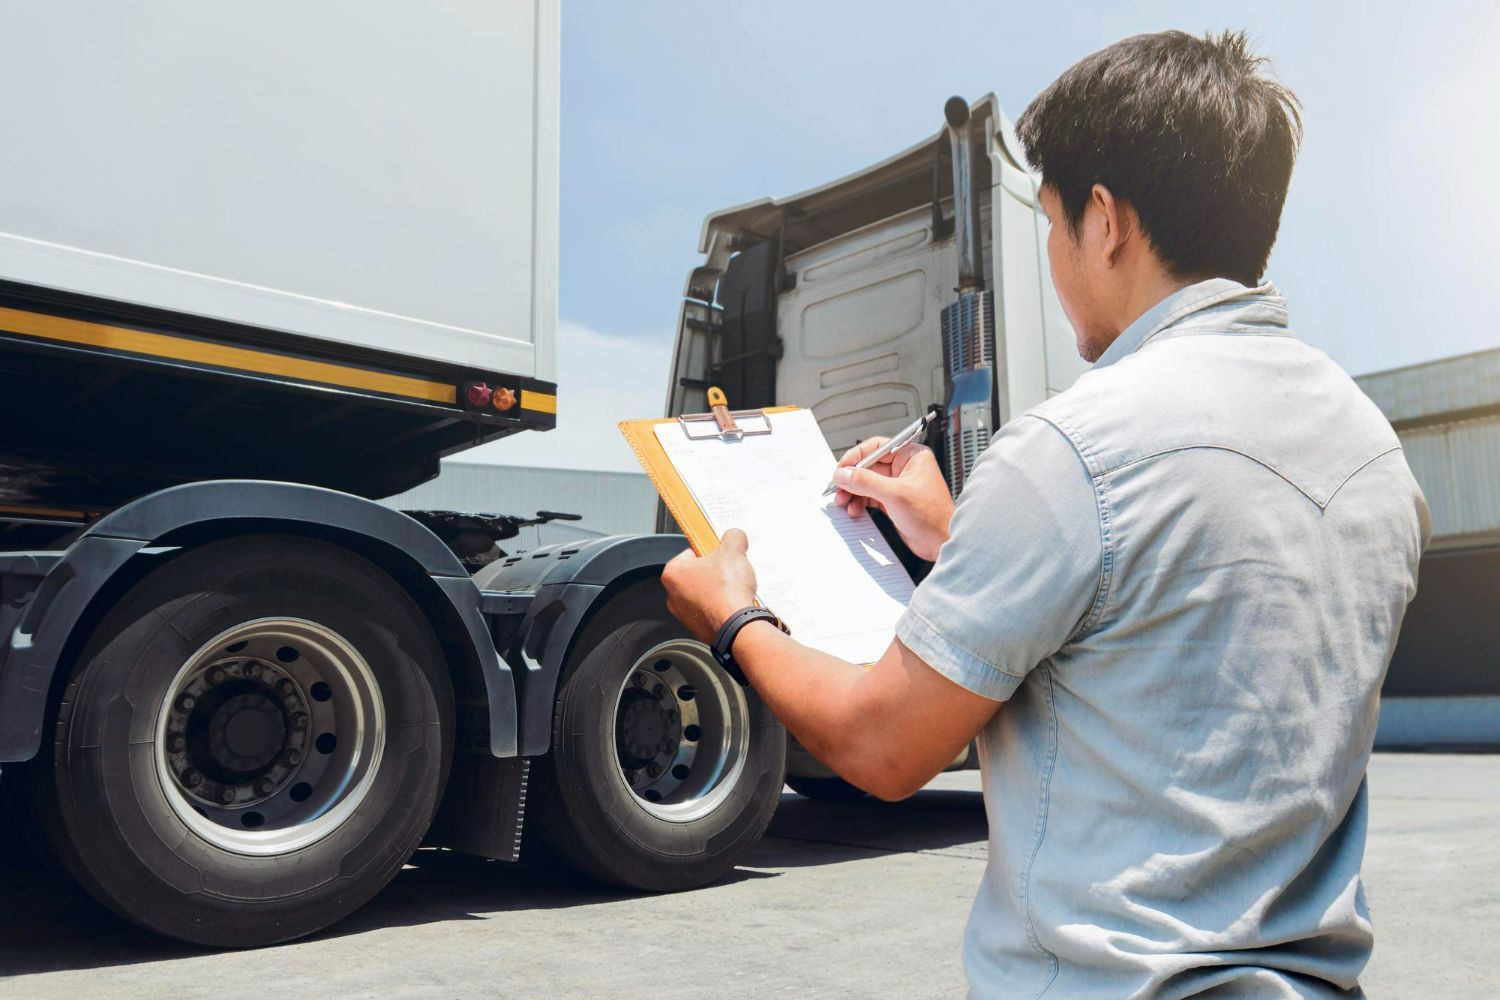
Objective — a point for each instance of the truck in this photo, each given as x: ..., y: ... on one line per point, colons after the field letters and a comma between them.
x: 261, y: 267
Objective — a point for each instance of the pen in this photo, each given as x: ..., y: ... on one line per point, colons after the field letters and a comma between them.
x: 905, y: 437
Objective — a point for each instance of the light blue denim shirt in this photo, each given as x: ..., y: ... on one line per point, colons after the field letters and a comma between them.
x: 1184, y: 577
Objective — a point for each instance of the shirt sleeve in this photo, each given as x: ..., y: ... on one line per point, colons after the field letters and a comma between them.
x: 1021, y: 570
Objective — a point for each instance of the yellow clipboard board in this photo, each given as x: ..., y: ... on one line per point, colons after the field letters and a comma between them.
x: 641, y: 436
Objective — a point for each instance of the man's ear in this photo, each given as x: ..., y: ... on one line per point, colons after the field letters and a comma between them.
x: 1117, y: 219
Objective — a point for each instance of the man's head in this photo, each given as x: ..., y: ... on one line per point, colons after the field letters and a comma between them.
x: 1165, y: 160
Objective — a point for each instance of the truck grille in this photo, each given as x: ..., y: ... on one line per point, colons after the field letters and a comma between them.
x: 969, y: 363
x: 969, y: 333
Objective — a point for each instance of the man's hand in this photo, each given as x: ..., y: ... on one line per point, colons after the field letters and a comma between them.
x: 702, y: 592
x: 907, y: 485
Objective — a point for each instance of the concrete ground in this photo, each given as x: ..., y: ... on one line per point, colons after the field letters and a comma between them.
x: 860, y: 899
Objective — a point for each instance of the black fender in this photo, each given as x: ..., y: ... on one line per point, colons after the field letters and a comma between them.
x: 66, y: 596
x: 566, y: 584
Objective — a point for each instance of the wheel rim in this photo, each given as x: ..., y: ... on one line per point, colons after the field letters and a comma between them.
x: 270, y: 736
x: 681, y: 731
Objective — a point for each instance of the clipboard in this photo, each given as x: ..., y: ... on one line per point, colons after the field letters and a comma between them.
x: 720, y: 422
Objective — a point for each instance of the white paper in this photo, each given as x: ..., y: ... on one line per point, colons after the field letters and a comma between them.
x: 832, y: 578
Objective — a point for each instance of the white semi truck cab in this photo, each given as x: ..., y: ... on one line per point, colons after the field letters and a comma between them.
x: 918, y: 283
x: 260, y: 266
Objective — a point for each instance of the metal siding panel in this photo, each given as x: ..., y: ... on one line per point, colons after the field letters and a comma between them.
x: 252, y: 157
x: 1458, y: 467
x: 1466, y: 382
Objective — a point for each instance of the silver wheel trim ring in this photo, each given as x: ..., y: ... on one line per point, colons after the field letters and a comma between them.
x: 361, y: 720
x: 721, y: 711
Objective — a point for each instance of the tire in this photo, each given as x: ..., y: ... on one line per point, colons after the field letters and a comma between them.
x: 825, y: 789
x: 242, y: 630
x: 582, y: 805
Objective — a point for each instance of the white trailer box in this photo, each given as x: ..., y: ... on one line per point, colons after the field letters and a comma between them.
x: 396, y: 191
x: 304, y: 242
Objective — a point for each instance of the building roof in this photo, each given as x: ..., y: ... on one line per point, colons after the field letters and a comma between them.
x: 1457, y: 388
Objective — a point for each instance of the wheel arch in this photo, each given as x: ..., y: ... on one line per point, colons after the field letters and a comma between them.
x: 121, y: 548
x: 571, y: 583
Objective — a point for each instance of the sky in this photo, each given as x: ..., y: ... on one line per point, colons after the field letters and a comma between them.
x: 673, y: 110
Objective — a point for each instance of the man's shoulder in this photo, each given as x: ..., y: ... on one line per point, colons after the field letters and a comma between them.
x: 1272, y: 398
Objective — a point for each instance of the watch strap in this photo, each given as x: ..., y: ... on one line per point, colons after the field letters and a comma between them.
x: 723, y: 643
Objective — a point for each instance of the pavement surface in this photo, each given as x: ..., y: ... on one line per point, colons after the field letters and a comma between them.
x: 840, y: 900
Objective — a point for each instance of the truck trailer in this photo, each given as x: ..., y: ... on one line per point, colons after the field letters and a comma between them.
x: 262, y: 266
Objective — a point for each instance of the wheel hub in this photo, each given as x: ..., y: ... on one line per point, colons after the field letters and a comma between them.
x: 681, y: 731
x: 269, y: 736
x: 648, y: 727
x: 230, y: 736
x: 248, y: 732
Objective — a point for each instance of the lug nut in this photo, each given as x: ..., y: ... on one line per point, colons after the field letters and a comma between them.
x: 217, y: 676
x: 639, y: 680
x: 299, y: 721
x: 264, y: 786
x: 192, y: 778
x: 285, y: 688
x: 226, y: 795
x: 252, y: 670
x: 659, y: 692
x: 292, y: 758
x: 186, y: 703
x: 176, y: 743
x: 671, y: 746
x: 653, y: 769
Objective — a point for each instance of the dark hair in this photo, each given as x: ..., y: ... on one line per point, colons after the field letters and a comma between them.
x: 1189, y: 132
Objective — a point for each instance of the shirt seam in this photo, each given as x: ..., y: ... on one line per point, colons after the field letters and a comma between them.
x: 1043, y: 809
x: 1102, y: 511
x: 1345, y: 481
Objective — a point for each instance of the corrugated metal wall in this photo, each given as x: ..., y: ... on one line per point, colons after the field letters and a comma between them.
x: 1443, y: 688
x: 610, y: 502
x: 1439, y: 389
x: 1458, y: 466
x: 1447, y: 413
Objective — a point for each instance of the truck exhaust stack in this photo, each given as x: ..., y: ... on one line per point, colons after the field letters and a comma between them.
x: 969, y: 321
x: 965, y: 197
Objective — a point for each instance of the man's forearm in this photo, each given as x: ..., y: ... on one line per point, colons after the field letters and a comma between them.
x: 818, y: 697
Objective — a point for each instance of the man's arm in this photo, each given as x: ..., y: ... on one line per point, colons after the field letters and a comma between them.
x: 1018, y: 576
x: 889, y: 728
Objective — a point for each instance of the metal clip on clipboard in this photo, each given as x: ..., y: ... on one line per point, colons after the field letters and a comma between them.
x: 723, y: 423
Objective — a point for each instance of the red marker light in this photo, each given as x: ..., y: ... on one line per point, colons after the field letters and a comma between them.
x: 477, y: 394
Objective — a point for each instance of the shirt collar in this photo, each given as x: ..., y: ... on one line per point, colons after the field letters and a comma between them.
x: 1263, y: 304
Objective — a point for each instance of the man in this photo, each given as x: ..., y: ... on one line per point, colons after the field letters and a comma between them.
x: 1167, y: 597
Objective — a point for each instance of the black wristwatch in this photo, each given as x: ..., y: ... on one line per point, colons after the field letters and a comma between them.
x: 724, y: 641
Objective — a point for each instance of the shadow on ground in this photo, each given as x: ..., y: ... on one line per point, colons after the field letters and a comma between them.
x: 48, y: 924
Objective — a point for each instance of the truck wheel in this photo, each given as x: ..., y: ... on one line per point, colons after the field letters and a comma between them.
x: 251, y: 744
x: 825, y: 789
x: 663, y: 771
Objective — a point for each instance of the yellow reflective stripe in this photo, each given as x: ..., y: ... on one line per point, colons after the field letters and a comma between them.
x: 44, y: 512
x: 161, y: 345
x: 541, y: 402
